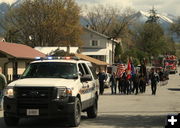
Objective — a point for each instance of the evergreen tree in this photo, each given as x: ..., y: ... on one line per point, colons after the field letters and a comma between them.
x: 153, y: 18
x: 118, y: 52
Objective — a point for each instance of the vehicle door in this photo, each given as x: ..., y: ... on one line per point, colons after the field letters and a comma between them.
x: 95, y: 81
x: 87, y: 87
x: 84, y: 89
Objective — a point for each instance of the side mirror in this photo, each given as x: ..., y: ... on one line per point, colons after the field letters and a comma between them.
x: 15, y: 77
x: 86, y: 78
x: 80, y: 74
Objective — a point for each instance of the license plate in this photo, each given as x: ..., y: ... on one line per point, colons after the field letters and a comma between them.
x: 32, y: 112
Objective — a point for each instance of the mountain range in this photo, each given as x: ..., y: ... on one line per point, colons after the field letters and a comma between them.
x: 165, y: 20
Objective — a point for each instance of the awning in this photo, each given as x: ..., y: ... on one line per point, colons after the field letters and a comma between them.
x: 95, y: 52
x: 95, y: 61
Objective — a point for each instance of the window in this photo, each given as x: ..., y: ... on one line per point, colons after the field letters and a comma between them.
x: 93, y: 70
x: 94, y: 43
x: 81, y: 69
x: 86, y: 69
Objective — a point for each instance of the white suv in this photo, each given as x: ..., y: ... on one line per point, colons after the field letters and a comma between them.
x: 60, y: 87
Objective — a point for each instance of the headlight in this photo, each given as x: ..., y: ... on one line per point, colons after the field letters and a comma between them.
x: 63, y: 92
x: 9, y: 92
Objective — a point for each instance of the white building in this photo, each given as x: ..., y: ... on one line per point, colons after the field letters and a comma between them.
x: 98, y: 45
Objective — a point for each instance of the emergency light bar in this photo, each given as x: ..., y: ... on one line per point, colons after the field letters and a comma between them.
x: 57, y: 58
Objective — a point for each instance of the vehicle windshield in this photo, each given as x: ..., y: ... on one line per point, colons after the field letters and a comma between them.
x: 51, y: 70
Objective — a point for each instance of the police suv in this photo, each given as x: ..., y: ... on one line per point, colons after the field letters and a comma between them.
x: 61, y: 87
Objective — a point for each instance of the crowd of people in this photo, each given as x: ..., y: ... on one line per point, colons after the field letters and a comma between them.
x: 134, y: 81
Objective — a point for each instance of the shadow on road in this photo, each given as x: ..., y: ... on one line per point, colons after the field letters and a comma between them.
x: 38, y: 123
x: 174, y: 89
x: 115, y: 121
x: 118, y: 121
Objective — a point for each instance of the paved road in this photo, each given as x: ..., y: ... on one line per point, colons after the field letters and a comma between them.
x: 124, y: 111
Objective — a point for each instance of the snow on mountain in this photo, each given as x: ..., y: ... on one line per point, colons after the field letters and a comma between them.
x: 144, y: 15
x: 165, y: 20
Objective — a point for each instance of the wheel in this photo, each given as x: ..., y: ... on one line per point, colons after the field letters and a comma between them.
x: 92, y: 111
x: 11, y: 121
x: 75, y: 118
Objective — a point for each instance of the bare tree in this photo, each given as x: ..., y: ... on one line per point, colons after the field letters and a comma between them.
x: 110, y: 21
x: 46, y: 22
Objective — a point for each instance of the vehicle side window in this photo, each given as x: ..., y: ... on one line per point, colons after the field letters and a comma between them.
x: 93, y: 70
x: 81, y: 69
x: 85, y: 69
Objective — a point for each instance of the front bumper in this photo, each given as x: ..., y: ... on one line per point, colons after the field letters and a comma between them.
x: 53, y: 108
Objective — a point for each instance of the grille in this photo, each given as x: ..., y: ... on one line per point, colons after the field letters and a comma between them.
x: 34, y: 97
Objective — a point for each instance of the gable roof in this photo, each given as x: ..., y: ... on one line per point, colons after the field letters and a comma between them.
x: 97, y: 33
x: 19, y: 51
x: 95, y: 61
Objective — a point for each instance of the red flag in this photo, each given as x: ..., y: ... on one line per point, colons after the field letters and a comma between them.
x: 129, y: 70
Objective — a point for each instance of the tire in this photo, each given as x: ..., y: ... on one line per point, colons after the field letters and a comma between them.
x: 11, y: 121
x: 75, y: 118
x: 92, y: 111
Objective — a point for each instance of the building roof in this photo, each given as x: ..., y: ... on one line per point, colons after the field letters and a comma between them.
x: 19, y: 51
x: 102, y: 35
x: 47, y: 50
x: 95, y: 52
x: 95, y: 61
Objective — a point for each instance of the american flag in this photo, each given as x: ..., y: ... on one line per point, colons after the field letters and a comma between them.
x: 120, y: 70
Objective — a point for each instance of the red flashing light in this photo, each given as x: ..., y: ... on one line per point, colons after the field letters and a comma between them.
x: 54, y: 58
x: 68, y: 58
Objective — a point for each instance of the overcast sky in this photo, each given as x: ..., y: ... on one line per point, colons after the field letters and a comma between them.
x: 162, y: 6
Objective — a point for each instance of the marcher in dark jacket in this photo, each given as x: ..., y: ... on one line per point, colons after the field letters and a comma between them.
x: 3, y: 83
x: 113, y: 83
x: 154, y: 80
x: 136, y: 82
x: 102, y: 77
x: 126, y: 83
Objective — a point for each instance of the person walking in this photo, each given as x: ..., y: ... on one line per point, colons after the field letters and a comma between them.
x: 135, y: 79
x: 154, y: 80
x: 102, y: 78
x: 113, y: 83
x: 126, y: 82
x: 3, y: 83
x: 119, y: 79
